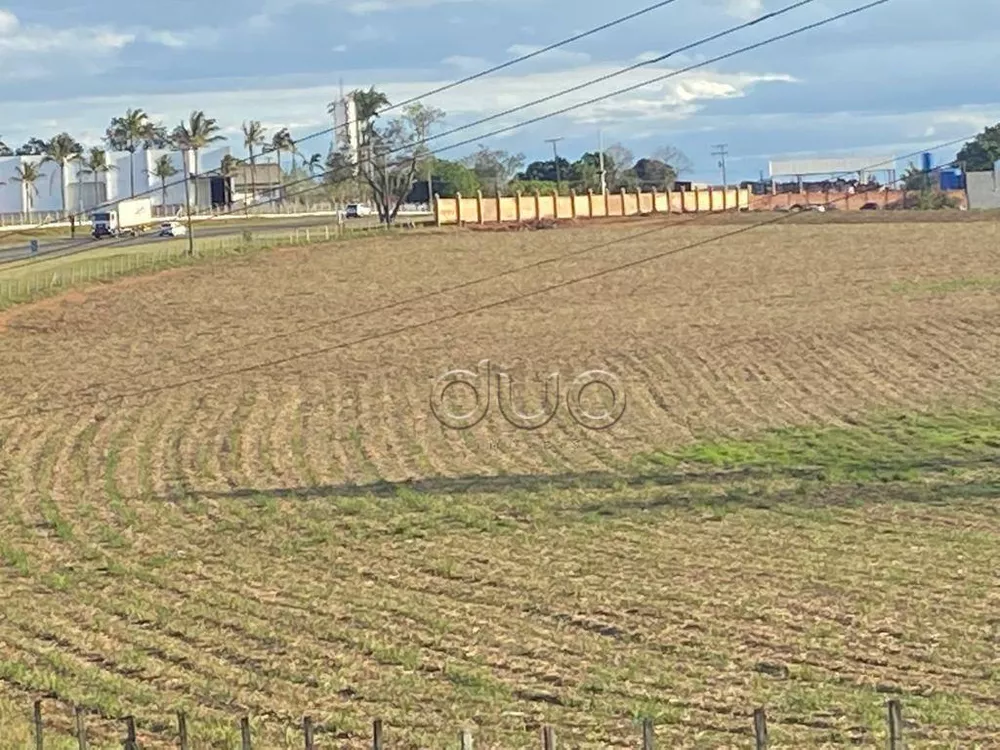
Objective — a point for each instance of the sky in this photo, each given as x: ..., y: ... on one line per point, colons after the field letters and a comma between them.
x: 895, y: 79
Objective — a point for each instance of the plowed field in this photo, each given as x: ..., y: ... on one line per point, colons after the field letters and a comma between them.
x: 225, y: 490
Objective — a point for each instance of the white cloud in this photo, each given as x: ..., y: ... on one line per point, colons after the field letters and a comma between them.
x: 563, y: 55
x: 466, y: 64
x: 354, y: 7
x: 8, y: 23
x: 32, y: 51
x: 745, y: 10
x: 304, y: 107
x: 371, y: 33
x: 198, y: 37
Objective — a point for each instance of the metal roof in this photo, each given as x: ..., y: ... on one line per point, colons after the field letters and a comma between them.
x: 847, y: 165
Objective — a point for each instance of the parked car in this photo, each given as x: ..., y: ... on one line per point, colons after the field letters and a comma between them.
x: 355, y: 210
x: 172, y: 229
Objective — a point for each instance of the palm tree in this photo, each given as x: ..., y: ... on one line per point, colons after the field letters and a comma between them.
x: 229, y: 168
x: 96, y: 164
x: 163, y: 169
x: 28, y: 173
x: 253, y: 136
x: 5, y: 150
x: 61, y: 150
x: 128, y: 132
x: 367, y: 105
x: 283, y: 141
x: 197, y: 133
x: 314, y: 165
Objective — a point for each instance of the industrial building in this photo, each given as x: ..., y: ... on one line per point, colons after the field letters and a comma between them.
x: 861, y: 168
x: 84, y: 191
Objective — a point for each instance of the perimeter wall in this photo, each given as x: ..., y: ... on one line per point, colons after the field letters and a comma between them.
x: 480, y: 210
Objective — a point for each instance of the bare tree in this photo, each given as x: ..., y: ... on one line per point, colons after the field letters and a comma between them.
x: 618, y: 165
x: 392, y: 154
x: 494, y: 168
x: 675, y: 158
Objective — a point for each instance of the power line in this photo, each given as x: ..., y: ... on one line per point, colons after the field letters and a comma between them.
x: 578, y: 87
x: 481, y: 308
x: 522, y: 58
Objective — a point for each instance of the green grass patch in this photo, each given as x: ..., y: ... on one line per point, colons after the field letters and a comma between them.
x: 886, y: 447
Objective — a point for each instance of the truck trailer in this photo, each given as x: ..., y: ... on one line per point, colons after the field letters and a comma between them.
x: 131, y: 217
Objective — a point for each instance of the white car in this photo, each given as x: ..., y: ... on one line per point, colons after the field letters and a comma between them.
x: 172, y: 229
x: 357, y: 210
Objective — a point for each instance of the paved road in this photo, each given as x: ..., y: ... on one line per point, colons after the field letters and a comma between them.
x: 53, y: 248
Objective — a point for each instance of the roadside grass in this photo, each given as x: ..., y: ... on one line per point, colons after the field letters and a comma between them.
x: 30, y: 280
x: 815, y: 572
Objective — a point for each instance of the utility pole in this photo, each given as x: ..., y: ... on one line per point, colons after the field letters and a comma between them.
x: 721, y: 152
x: 187, y: 202
x: 600, y: 157
x: 555, y: 156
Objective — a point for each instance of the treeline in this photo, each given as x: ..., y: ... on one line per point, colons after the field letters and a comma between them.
x: 498, y: 172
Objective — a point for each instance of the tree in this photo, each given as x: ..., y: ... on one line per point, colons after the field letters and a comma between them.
x: 33, y: 147
x: 28, y: 174
x: 914, y: 178
x: 981, y: 152
x: 618, y: 161
x: 5, y: 150
x: 313, y: 165
x: 423, y: 119
x: 61, y: 150
x: 392, y: 153
x: 281, y: 142
x: 545, y: 171
x: 676, y: 159
x: 253, y: 136
x: 163, y: 169
x: 229, y: 168
x: 194, y: 135
x: 96, y: 164
x: 494, y: 169
x: 131, y: 130
x: 654, y: 174
x: 451, y: 178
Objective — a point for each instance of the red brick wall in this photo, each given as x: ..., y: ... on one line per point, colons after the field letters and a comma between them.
x: 835, y: 200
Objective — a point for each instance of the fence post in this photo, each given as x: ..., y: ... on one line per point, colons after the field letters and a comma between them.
x: 182, y: 730
x: 130, y: 739
x: 245, y: 732
x: 38, y: 725
x: 548, y: 738
x: 307, y: 732
x: 760, y: 728
x: 895, y: 725
x: 81, y: 731
x: 377, y: 734
x: 465, y: 738
x: 647, y: 734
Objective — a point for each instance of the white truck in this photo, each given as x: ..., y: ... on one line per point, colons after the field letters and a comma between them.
x: 130, y: 217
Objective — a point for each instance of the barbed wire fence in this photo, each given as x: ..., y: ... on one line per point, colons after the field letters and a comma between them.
x: 757, y: 730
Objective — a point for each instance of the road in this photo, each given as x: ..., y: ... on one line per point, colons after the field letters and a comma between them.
x: 56, y: 247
